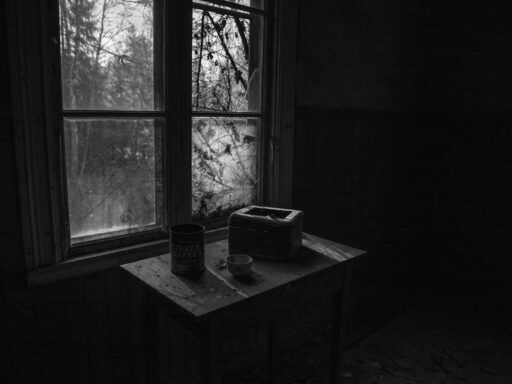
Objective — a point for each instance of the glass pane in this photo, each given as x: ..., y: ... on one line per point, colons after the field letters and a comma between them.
x: 224, y: 165
x: 114, y: 176
x: 226, y: 62
x: 107, y: 54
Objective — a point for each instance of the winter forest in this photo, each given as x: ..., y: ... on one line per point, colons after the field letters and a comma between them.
x: 115, y: 164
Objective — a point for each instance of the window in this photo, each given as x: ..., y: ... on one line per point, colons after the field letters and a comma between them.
x: 113, y: 118
x: 227, y: 107
x: 136, y: 115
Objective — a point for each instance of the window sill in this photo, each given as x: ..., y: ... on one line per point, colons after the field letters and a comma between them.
x: 109, y: 259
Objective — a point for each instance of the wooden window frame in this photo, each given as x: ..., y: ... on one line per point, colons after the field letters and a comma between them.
x: 38, y: 117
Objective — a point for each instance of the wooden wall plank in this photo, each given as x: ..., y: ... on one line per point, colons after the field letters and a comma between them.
x: 5, y: 341
x: 137, y: 299
x: 118, y: 313
x: 49, y: 333
x: 75, y: 359
x: 176, y: 360
x: 96, y: 328
x: 24, y: 346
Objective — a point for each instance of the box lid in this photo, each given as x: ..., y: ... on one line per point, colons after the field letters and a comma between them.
x: 267, y: 215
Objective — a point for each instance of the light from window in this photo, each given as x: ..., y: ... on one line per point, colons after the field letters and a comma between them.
x: 113, y: 164
x: 107, y: 55
x: 224, y: 164
x: 223, y: 78
x: 113, y: 176
x: 226, y: 107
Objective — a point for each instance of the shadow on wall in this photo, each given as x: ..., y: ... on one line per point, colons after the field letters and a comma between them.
x: 402, y: 134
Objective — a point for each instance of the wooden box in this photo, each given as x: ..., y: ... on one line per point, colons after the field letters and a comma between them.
x: 270, y: 233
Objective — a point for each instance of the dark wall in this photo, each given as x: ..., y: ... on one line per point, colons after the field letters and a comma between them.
x: 84, y: 330
x: 403, y: 140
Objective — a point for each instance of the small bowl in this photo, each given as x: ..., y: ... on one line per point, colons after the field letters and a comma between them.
x: 239, y: 264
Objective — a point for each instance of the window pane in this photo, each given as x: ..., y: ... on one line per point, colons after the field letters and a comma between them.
x: 226, y: 62
x: 224, y: 165
x: 107, y: 54
x: 114, y: 176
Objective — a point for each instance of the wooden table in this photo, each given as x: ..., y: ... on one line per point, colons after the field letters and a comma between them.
x: 206, y: 303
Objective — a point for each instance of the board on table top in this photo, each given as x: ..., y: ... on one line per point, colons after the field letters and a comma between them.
x: 215, y: 288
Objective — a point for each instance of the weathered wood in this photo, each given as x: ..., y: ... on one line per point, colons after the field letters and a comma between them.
x: 204, y: 294
x: 240, y: 7
x: 178, y: 138
x: 330, y: 248
x: 137, y: 299
x: 118, y: 312
x: 24, y: 347
x: 75, y: 358
x: 335, y: 352
x: 344, y: 336
x: 210, y: 371
x: 49, y: 332
x: 265, y: 232
x: 216, y: 235
x: 96, y: 326
x: 273, y: 347
x: 205, y: 303
x: 6, y: 362
x: 96, y: 262
x: 281, y: 96
x: 151, y: 323
x: 99, y: 261
x: 34, y: 175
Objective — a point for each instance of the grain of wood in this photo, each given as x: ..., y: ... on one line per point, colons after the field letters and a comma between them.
x: 215, y: 289
x: 49, y: 333
x: 74, y: 343
x: 96, y: 326
x: 207, y: 302
x: 137, y: 299
x: 119, y: 326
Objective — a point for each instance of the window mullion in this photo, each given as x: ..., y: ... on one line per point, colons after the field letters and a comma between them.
x: 228, y: 114
x: 224, y: 11
x: 281, y: 102
x: 233, y: 5
x: 178, y: 106
x: 112, y: 114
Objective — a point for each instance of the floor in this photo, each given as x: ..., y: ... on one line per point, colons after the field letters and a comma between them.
x: 462, y: 339
x: 454, y: 340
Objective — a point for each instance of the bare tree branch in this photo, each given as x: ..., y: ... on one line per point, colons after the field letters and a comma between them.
x: 226, y: 50
x: 200, y: 59
x: 241, y: 32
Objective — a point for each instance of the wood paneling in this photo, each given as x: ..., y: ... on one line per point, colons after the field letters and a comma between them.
x: 97, y: 327
x: 81, y: 330
x: 403, y: 134
x: 116, y: 286
x: 75, y: 342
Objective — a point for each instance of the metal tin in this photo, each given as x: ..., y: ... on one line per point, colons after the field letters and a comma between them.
x: 187, y: 249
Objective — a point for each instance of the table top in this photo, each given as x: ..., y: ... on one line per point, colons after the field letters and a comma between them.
x: 215, y: 288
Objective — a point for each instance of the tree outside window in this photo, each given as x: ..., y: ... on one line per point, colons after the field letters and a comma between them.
x: 114, y: 159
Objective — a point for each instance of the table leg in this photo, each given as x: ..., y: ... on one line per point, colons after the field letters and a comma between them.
x: 151, y: 336
x: 272, y: 351
x: 338, y: 321
x: 210, y: 373
x: 337, y: 302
